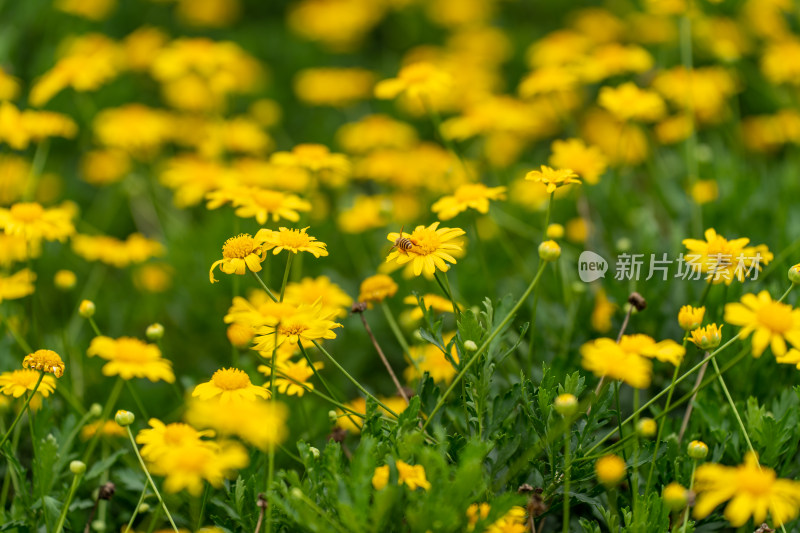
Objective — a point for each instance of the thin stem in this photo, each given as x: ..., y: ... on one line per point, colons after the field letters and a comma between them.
x: 691, y: 486
x: 688, y: 414
x: 485, y: 345
x: 733, y: 406
x: 136, y: 511
x: 17, y: 337
x: 567, y: 435
x: 110, y: 403
x: 385, y: 361
x: 150, y: 479
x: 271, y: 451
x: 445, y: 286
x: 398, y: 333
x: 635, y: 484
x: 63, y: 516
x: 264, y: 286
x: 136, y: 399
x: 549, y: 210
x: 289, y: 259
x: 352, y: 379
x: 94, y: 326
x: 22, y: 411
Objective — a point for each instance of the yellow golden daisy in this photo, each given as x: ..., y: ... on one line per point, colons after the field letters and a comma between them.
x: 667, y: 351
x: 708, y: 337
x: 690, y: 318
x: 292, y: 240
x: 262, y: 423
x: 265, y: 204
x: 291, y: 377
x: 417, y: 80
x: 331, y: 297
x: 17, y: 285
x: 187, y: 467
x: 18, y: 382
x: 431, y: 248
x: 772, y: 323
x: 306, y: 323
x: 605, y: 358
x: 629, y: 102
x: 587, y: 161
x: 131, y: 358
x: 468, y: 196
x: 160, y: 438
x: 431, y: 301
x: 46, y: 361
x: 228, y: 384
x: 431, y: 360
x: 109, y: 428
x: 34, y: 222
x: 412, y: 476
x: 723, y: 260
x: 750, y: 489
x: 553, y: 178
x: 377, y: 288
x: 239, y: 254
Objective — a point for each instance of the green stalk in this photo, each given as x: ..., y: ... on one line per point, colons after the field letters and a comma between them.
x: 398, y: 334
x: 21, y: 411
x: 112, y: 400
x: 149, y: 478
x: 691, y: 486
x: 445, y: 286
x: 635, y: 484
x: 567, y: 435
x: 289, y: 259
x: 733, y: 406
x: 264, y: 286
x: 271, y: 451
x: 485, y: 345
x: 136, y: 511
x: 63, y: 516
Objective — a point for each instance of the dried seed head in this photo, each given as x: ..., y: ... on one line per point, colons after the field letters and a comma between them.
x: 637, y: 301
x: 106, y: 491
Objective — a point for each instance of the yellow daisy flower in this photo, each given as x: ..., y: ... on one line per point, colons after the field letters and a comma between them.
x: 131, y: 358
x: 262, y: 423
x: 188, y: 467
x: 291, y: 378
x: 228, y: 384
x: 109, y: 428
x: 18, y: 382
x: 239, y: 254
x: 604, y: 357
x: 160, y: 438
x: 135, y: 249
x: 553, y: 178
x: 708, y: 337
x: 430, y: 359
x: 305, y: 323
x: 725, y: 260
x: 753, y: 491
x: 17, y: 285
x: 667, y: 351
x: 412, y: 476
x: 292, y: 240
x: 417, y: 80
x: 690, y: 318
x: 308, y: 290
x: 265, y: 204
x: 773, y: 322
x: 431, y: 248
x: 470, y: 195
x: 34, y: 222
x: 629, y: 102
x: 589, y: 162
x: 431, y: 301
x: 46, y: 361
x: 377, y: 288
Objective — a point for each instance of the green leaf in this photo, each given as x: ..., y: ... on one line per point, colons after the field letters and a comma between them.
x: 104, y: 464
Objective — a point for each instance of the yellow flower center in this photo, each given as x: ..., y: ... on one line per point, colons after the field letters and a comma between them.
x: 131, y: 351
x: 294, y: 239
x: 427, y: 241
x: 238, y: 247
x: 230, y: 379
x: 291, y: 330
x: 775, y: 316
x: 721, y: 252
x: 177, y: 434
x: 27, y: 212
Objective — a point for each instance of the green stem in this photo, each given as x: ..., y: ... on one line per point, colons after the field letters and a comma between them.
x: 201, y: 514
x: 137, y: 400
x: 63, y: 516
x: 264, y: 286
x: 289, y: 259
x: 352, y: 379
x: 271, y: 451
x: 136, y: 511
x: 22, y: 411
x: 635, y: 484
x: 110, y: 403
x: 733, y: 406
x: 485, y: 345
x: 150, y: 479
x: 547, y: 214
x: 691, y: 486
x: 567, y: 435
x: 94, y: 326
x: 445, y: 286
x: 398, y: 333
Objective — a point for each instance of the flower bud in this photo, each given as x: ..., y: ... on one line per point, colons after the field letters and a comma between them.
x: 333, y: 416
x: 314, y: 452
x: 610, y: 470
x: 707, y: 338
x: 296, y: 493
x: 697, y: 450
x: 124, y: 418
x: 690, y: 318
x: 154, y: 332
x: 99, y: 525
x: 86, y: 309
x: 65, y: 280
x: 794, y: 274
x: 646, y: 428
x: 549, y: 251
x: 77, y: 467
x: 144, y: 507
x: 675, y: 496
x: 95, y: 410
x: 566, y: 404
x: 470, y: 346
x: 555, y: 231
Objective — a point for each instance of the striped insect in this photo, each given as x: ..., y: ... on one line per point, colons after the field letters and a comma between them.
x: 404, y: 244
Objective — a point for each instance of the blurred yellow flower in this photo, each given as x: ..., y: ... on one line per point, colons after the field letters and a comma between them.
x: 622, y: 143
x: 89, y: 9
x: 228, y: 385
x: 723, y: 260
x: 412, y: 476
x: 666, y: 351
x: 366, y: 213
x: 553, y: 178
x: 208, y: 13
x: 131, y: 358
x: 375, y: 131
x: 338, y: 24
x: 291, y: 240
x: 134, y: 128
x: 431, y: 360
x: 468, y: 196
x: 141, y: 46
x: 335, y: 87
x: 15, y: 383
x: 291, y: 377
x: 108, y: 428
x: 431, y: 301
x: 332, y: 298
x: 9, y: 86
x: 104, y: 167
x: 602, y: 312
x: 629, y: 102
x: 261, y: 423
x: 704, y: 191
x: 586, y: 161
x: 772, y: 323
x: 610, y: 469
x: 605, y: 358
x: 34, y: 222
x: 418, y: 81
x: 135, y: 249
x: 376, y: 288
x: 17, y: 285
x: 381, y: 477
